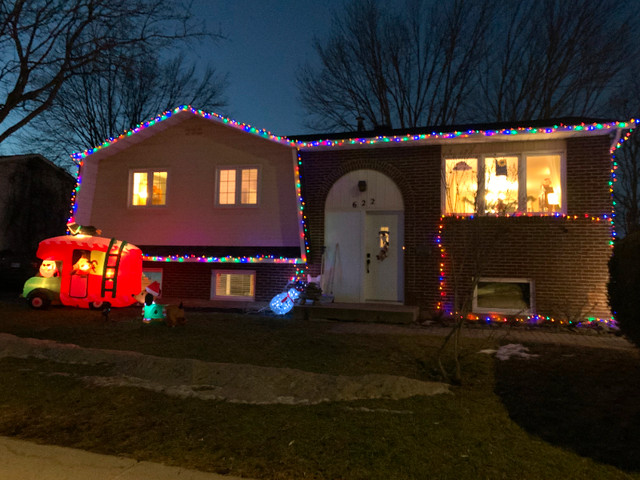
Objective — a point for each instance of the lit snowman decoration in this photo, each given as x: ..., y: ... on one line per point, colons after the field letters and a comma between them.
x: 282, y: 303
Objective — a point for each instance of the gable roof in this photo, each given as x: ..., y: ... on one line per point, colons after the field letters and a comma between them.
x: 162, y: 122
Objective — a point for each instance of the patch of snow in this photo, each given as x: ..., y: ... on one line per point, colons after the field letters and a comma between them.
x: 505, y: 352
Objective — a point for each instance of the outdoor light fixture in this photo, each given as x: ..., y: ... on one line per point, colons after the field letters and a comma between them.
x: 362, y: 186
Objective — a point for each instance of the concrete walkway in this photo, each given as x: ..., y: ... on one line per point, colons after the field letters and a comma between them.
x: 21, y: 460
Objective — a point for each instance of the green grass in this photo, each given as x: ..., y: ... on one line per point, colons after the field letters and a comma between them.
x: 569, y: 413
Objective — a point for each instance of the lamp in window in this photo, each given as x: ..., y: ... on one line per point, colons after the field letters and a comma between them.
x: 553, y: 200
x: 549, y: 199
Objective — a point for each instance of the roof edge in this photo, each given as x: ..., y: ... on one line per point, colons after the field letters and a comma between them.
x: 78, y: 157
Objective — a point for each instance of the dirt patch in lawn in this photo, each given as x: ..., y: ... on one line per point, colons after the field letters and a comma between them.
x: 219, y: 381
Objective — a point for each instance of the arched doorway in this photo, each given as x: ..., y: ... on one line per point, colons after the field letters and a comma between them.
x: 364, y: 239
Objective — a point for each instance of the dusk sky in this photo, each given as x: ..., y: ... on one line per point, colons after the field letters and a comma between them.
x: 266, y: 42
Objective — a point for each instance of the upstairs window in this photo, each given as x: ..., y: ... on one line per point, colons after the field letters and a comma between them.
x: 237, y: 186
x: 544, y: 185
x: 148, y: 188
x: 497, y: 185
x: 461, y: 179
x: 500, y: 185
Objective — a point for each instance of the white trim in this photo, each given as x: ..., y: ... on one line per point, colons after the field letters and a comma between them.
x: 297, y: 190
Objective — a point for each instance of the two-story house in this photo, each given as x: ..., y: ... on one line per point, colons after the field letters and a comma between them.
x: 502, y: 218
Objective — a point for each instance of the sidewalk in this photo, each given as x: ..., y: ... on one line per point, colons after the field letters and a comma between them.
x: 21, y: 460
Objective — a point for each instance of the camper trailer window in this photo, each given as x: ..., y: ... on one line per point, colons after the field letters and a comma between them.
x: 82, y: 263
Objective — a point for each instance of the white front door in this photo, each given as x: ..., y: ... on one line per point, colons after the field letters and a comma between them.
x: 342, y: 276
x: 383, y: 257
x: 364, y: 236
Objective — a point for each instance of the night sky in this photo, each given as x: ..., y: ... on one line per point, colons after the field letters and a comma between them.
x: 266, y: 42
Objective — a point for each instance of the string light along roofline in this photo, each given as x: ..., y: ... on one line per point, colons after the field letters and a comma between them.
x: 78, y: 157
x: 440, y: 135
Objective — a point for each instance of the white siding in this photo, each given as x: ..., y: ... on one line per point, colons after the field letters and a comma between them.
x: 191, y: 151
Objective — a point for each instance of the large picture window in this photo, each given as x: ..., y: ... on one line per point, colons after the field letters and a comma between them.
x: 148, y: 188
x: 498, y: 185
x: 237, y: 186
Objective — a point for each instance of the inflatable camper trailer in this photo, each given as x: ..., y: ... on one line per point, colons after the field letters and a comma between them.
x: 86, y: 272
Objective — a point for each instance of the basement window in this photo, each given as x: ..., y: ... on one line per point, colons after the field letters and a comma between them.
x: 233, y: 285
x: 509, y: 296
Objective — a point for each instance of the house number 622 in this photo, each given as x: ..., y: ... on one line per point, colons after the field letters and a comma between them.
x: 363, y: 203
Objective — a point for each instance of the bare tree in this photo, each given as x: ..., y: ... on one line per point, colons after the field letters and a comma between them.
x: 395, y: 69
x: 44, y: 43
x: 91, y: 108
x: 550, y: 58
x: 626, y: 189
x: 435, y: 63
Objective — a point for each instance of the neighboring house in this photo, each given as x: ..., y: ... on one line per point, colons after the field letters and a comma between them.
x: 34, y: 205
x: 503, y: 218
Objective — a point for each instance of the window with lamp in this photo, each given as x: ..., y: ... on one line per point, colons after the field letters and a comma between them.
x: 503, y: 184
x: 147, y: 188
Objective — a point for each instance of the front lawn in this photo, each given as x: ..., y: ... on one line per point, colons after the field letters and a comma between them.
x: 569, y: 413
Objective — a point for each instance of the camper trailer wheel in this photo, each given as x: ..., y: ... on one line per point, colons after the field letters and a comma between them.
x: 38, y: 299
x: 96, y: 305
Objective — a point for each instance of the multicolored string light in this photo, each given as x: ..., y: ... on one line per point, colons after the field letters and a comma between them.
x: 506, y: 132
x: 226, y: 259
x: 79, y: 156
x: 537, y: 319
x: 79, y: 159
x: 304, y: 145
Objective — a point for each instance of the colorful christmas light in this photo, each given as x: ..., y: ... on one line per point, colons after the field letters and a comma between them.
x: 302, y: 145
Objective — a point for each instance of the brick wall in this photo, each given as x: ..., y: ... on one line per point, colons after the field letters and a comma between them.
x: 566, y: 258
x: 193, y: 279
x: 588, y: 176
x: 416, y: 172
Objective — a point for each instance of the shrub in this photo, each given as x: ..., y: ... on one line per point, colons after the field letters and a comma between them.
x: 624, y: 286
